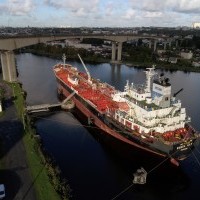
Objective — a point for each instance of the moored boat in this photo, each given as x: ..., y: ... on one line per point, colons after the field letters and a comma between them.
x: 147, y: 117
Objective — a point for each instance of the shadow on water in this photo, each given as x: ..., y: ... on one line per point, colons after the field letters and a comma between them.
x: 164, y: 180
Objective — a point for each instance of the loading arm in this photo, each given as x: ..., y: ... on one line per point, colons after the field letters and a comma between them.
x: 69, y: 97
x: 88, y: 73
x: 177, y: 92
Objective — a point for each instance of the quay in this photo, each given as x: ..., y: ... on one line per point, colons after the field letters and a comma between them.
x: 42, y: 107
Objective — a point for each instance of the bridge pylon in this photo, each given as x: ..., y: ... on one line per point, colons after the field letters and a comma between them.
x: 8, y: 66
x: 116, y: 48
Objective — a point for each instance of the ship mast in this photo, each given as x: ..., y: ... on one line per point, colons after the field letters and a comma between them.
x: 88, y: 73
x: 149, y: 74
x: 64, y: 58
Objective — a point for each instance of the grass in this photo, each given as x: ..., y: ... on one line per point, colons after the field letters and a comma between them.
x: 44, y: 189
x: 18, y: 99
x: 1, y: 113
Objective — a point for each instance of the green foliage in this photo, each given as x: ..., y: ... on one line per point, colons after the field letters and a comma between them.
x: 54, y: 173
x: 57, y: 51
x: 190, y: 43
x: 196, y: 40
x: 1, y: 93
x: 93, y: 41
x: 139, y: 54
x: 70, y: 52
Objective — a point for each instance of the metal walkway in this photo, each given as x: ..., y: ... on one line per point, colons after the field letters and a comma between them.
x: 41, y: 107
x: 47, y: 107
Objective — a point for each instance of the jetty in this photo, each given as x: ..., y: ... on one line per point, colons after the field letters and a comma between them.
x: 65, y: 104
x: 42, y: 107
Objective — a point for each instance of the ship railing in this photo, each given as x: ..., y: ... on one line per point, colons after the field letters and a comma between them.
x: 136, y: 121
x: 175, y: 101
x: 161, y: 139
x: 142, y: 104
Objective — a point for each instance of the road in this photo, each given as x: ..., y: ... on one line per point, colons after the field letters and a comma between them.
x: 14, y: 173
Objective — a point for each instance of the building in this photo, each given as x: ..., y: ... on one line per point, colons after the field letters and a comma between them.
x: 186, y: 55
x: 196, y: 25
x: 196, y: 64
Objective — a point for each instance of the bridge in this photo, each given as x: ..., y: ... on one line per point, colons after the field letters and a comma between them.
x: 8, y: 45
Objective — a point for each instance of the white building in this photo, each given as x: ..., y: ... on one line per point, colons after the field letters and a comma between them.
x: 196, y: 64
x: 186, y: 55
x: 196, y: 25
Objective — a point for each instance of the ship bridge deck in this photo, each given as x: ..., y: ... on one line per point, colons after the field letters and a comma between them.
x: 142, y: 104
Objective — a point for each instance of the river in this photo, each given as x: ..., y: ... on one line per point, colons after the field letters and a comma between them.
x: 93, y: 170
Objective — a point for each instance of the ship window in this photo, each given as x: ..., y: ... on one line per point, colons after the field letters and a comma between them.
x: 166, y: 98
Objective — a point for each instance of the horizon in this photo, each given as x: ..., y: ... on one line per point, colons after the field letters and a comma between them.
x: 99, y: 13
x: 92, y: 27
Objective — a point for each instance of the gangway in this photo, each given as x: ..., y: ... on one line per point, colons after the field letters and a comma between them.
x: 41, y: 107
x: 69, y: 97
x: 49, y: 107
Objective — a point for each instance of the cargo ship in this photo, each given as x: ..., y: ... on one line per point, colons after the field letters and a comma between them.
x: 147, y: 117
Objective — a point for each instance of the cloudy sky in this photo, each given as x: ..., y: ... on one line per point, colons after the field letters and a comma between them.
x: 99, y: 13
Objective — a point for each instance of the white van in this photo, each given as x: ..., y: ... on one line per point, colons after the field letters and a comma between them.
x: 2, y: 191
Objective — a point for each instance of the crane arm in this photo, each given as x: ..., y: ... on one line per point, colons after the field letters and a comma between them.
x: 177, y: 92
x: 88, y: 73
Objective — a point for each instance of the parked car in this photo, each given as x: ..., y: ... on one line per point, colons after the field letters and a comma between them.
x: 2, y: 191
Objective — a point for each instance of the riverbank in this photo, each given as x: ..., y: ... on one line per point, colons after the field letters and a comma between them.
x: 46, y: 176
x: 97, y: 59
x: 14, y: 168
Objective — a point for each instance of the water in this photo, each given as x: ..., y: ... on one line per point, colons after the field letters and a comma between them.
x: 92, y: 169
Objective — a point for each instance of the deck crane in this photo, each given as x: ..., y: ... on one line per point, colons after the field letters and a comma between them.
x: 88, y: 73
x: 177, y: 92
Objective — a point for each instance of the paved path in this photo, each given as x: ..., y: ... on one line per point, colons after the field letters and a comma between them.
x: 14, y: 172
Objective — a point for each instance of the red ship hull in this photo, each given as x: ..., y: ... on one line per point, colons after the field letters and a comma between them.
x: 103, y: 127
x: 94, y: 100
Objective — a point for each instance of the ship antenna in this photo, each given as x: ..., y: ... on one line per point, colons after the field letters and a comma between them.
x: 64, y: 58
x: 88, y: 73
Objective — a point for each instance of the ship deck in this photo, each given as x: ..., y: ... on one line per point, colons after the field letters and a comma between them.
x: 98, y: 93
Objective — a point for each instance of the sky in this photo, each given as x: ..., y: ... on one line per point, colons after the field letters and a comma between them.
x: 99, y: 13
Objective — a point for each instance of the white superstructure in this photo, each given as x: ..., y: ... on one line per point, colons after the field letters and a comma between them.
x: 196, y: 25
x: 152, y: 108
